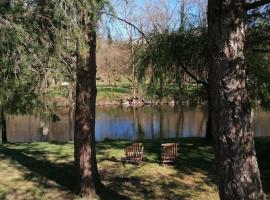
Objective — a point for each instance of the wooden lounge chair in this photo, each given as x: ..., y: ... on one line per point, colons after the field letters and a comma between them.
x: 169, y: 152
x: 133, y: 154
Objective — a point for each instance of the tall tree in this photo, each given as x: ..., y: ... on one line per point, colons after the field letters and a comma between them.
x: 238, y: 172
x: 88, y: 180
x: 18, y: 46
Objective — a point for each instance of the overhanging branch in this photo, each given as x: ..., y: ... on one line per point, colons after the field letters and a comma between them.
x: 256, y: 4
x: 204, y: 83
x: 129, y: 23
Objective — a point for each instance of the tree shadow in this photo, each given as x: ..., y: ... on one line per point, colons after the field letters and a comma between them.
x: 41, y: 169
x: 195, y: 156
x: 36, y: 162
x: 146, y: 189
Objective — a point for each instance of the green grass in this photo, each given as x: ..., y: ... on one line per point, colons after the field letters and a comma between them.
x: 46, y: 171
x: 123, y: 90
x: 110, y: 94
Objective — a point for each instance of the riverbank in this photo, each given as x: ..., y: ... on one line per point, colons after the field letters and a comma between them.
x: 122, y: 95
x: 45, y: 171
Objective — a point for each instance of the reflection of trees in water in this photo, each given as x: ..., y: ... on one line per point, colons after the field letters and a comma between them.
x: 70, y: 122
x: 161, y: 128
x: 203, y: 122
x: 180, y: 123
x: 138, y: 128
x: 130, y: 123
x: 134, y: 123
x: 141, y: 131
x: 152, y: 124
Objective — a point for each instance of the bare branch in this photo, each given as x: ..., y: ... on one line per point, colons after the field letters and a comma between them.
x: 256, y: 4
x: 129, y: 23
x: 204, y: 83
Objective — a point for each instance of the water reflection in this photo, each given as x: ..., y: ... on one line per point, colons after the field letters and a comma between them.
x: 124, y: 123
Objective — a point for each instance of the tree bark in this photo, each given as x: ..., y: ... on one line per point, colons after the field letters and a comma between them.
x: 3, y: 126
x: 238, y: 172
x: 88, y: 180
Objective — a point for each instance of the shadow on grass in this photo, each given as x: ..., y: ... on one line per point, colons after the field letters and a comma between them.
x: 196, y: 157
x: 61, y: 173
x: 146, y: 189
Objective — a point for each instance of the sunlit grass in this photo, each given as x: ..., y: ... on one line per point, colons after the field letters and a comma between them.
x: 45, y: 171
x: 106, y: 93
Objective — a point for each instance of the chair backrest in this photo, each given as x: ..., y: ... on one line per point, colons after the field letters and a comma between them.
x: 170, y: 149
x: 134, y: 151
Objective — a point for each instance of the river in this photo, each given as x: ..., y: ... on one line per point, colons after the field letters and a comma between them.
x: 148, y: 122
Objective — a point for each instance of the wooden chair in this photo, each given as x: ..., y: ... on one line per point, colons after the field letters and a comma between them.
x: 133, y: 154
x: 170, y: 152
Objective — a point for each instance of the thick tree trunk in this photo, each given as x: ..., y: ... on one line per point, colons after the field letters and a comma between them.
x: 3, y: 126
x: 238, y: 172
x: 88, y: 180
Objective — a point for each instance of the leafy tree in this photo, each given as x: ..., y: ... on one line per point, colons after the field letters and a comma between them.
x: 82, y: 18
x: 18, y: 81
x: 258, y: 55
x: 169, y: 56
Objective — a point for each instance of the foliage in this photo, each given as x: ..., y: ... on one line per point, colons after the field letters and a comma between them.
x: 17, y: 63
x: 169, y: 55
x: 258, y: 56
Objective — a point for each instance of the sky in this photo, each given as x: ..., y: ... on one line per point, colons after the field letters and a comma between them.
x: 137, y: 12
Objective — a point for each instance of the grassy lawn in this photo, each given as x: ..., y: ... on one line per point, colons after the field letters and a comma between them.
x: 45, y: 171
x: 110, y: 94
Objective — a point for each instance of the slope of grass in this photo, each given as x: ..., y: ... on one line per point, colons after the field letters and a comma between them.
x: 107, y: 94
x: 45, y: 171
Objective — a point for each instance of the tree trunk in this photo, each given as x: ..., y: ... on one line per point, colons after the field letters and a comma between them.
x: 208, y: 134
x: 182, y: 16
x: 161, y: 86
x: 134, y: 85
x: 238, y: 172
x: 3, y: 126
x: 88, y: 180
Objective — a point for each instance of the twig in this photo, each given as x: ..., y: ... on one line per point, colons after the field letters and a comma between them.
x: 256, y: 4
x: 129, y: 23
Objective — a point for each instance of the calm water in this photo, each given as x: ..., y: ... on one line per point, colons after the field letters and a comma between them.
x: 124, y: 123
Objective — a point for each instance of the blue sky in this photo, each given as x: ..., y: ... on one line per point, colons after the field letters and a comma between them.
x: 118, y: 29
